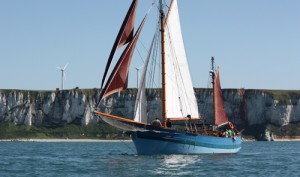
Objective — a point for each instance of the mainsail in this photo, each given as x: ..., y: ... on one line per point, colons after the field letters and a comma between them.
x: 180, y: 96
x: 220, y: 114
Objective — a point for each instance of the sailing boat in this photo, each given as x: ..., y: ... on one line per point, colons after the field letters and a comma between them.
x: 179, y: 104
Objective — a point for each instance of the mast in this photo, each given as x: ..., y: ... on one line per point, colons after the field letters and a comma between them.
x: 212, y: 73
x: 162, y: 19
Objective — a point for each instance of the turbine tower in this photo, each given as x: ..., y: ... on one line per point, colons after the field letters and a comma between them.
x: 63, y: 77
x: 137, y: 75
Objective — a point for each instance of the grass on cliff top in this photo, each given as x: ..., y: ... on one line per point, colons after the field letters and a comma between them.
x: 283, y: 93
x: 285, y: 97
x: 93, y: 131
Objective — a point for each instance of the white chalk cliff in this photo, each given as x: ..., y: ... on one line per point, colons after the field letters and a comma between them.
x: 51, y: 108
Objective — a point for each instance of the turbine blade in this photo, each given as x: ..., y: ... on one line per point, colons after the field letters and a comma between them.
x: 66, y: 66
x: 58, y: 68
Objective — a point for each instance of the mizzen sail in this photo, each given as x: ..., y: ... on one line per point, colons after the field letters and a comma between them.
x: 220, y: 114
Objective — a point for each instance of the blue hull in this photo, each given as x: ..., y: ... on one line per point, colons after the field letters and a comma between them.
x: 174, y: 142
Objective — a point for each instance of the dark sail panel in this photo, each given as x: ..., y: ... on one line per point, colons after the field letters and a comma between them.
x: 220, y: 113
x: 119, y: 77
x: 125, y: 35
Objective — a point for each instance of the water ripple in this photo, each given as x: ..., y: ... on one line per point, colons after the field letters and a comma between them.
x: 119, y: 159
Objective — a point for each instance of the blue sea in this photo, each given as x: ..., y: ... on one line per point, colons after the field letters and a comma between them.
x: 120, y: 159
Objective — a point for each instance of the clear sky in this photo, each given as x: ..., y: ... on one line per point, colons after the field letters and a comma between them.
x: 256, y: 43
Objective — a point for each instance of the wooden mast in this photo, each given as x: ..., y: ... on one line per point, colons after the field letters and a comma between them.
x: 162, y: 19
x: 212, y: 73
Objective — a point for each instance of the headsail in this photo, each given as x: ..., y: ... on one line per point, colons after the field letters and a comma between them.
x: 141, y: 101
x: 180, y: 98
x: 119, y: 76
x: 124, y: 36
x: 220, y: 114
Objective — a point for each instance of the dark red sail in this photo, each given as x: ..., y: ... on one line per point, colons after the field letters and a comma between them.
x: 119, y: 76
x: 125, y: 35
x: 220, y: 114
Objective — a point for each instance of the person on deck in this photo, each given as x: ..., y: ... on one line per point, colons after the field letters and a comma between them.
x: 226, y: 133
x: 230, y: 133
x: 156, y: 122
x: 169, y: 123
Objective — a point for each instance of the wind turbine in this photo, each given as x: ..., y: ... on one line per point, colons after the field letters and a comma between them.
x: 137, y: 74
x: 63, y: 77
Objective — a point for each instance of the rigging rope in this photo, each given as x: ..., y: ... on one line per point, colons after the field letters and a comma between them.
x: 178, y: 77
